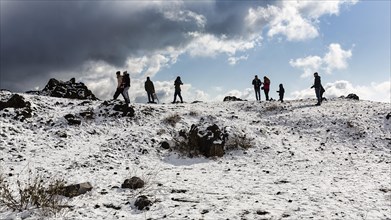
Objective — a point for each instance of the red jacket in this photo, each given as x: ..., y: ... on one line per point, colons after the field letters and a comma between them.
x: 266, y: 84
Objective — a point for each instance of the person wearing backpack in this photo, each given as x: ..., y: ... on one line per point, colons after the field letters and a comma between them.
x: 126, y: 85
x: 150, y: 89
x: 266, y: 87
x: 257, y: 87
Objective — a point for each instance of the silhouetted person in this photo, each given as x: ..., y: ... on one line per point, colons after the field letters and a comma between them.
x: 150, y: 89
x: 318, y: 87
x: 126, y: 85
x: 281, y: 92
x: 120, y: 88
x: 257, y: 87
x: 266, y: 87
x: 177, y: 85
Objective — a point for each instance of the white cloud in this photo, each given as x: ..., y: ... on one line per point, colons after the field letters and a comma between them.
x: 235, y: 60
x: 209, y: 45
x: 297, y: 20
x: 335, y: 59
x: 309, y: 64
x: 185, y: 16
x: 375, y: 91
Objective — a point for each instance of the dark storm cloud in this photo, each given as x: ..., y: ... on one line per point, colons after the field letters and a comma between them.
x: 39, y: 38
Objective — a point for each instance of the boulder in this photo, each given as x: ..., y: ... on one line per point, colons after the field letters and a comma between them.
x: 72, y: 120
x: 165, y: 145
x: 23, y: 107
x: 76, y: 189
x: 16, y: 101
x: 133, y: 183
x: 353, y: 96
x: 115, y: 108
x: 232, y: 98
x: 69, y: 89
x: 142, y: 202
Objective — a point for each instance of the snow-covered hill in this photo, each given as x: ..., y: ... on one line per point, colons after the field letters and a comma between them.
x: 305, y: 162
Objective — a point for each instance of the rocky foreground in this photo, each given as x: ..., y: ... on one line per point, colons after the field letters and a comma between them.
x: 225, y: 160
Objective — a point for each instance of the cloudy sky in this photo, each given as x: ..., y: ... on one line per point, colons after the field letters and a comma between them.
x: 215, y: 46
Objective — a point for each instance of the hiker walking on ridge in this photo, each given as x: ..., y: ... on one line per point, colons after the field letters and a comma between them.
x: 266, y: 87
x: 126, y: 85
x: 177, y: 85
x: 120, y: 88
x: 257, y: 87
x: 281, y: 92
x: 318, y: 87
x: 150, y: 89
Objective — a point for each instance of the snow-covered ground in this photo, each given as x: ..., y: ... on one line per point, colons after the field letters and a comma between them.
x: 306, y: 162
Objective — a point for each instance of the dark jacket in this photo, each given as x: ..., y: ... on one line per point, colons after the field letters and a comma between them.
x: 126, y: 80
x: 178, y: 84
x: 149, y: 87
x: 317, y: 83
x: 281, y: 90
x: 257, y: 83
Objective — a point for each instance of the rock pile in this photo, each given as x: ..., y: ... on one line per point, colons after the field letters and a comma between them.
x: 232, y: 98
x: 69, y: 89
x: 208, y: 141
x: 22, y: 108
x: 115, y: 108
x: 353, y: 96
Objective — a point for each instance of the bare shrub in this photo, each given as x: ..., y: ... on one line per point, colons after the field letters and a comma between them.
x: 193, y: 113
x: 33, y: 194
x: 238, y: 142
x: 172, y: 119
x: 272, y: 107
x: 182, y: 146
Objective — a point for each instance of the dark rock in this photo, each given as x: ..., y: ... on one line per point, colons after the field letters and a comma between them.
x: 88, y: 114
x: 353, y: 96
x: 111, y: 206
x: 388, y: 116
x: 232, y: 98
x: 204, y: 211
x: 178, y: 191
x: 62, y: 134
x: 133, y: 183
x: 16, y: 101
x: 72, y: 120
x: 76, y: 189
x: 69, y: 89
x: 142, y: 202
x: 165, y: 145
x: 260, y: 212
x: 23, y: 107
x: 119, y: 108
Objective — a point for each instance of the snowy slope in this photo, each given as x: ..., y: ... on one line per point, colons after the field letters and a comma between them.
x: 307, y: 162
